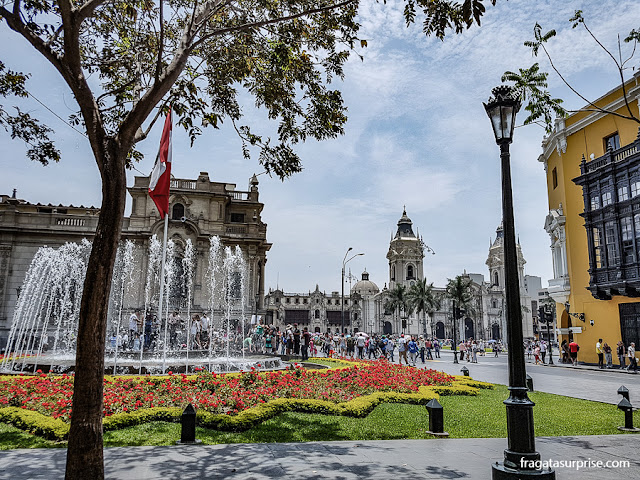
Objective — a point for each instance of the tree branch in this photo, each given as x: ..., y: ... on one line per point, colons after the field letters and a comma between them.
x: 160, y: 42
x: 248, y: 26
x: 16, y: 24
x: 87, y: 9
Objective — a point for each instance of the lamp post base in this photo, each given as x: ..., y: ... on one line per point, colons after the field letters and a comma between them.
x: 455, y: 357
x: 500, y: 472
x: 627, y: 429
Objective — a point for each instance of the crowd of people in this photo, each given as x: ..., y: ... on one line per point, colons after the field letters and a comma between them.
x: 145, y: 331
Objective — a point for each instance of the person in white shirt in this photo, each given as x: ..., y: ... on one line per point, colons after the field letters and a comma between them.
x: 204, y: 331
x: 134, y: 322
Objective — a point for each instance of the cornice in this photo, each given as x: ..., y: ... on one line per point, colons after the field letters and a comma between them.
x: 558, y: 139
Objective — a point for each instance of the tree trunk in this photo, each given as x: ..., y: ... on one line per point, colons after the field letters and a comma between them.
x: 84, y: 456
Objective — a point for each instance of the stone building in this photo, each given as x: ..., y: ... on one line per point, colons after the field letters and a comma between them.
x: 198, y: 210
x: 366, y: 308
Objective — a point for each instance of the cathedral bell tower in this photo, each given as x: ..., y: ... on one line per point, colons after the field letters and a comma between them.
x: 406, y: 253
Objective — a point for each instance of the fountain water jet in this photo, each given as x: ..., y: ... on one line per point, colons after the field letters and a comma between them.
x: 48, y: 308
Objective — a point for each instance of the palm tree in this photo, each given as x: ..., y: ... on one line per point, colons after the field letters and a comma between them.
x: 422, y: 298
x: 460, y: 291
x: 398, y: 300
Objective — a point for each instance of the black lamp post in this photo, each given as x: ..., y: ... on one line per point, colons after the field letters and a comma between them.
x: 520, y: 456
x: 344, y: 262
x: 456, y: 314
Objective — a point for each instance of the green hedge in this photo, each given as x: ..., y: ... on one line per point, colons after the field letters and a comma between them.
x: 35, y: 422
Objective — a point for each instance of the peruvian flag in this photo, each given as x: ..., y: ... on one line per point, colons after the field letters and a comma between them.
x: 161, y: 174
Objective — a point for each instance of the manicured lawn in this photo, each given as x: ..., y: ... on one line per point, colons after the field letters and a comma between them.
x: 465, y: 417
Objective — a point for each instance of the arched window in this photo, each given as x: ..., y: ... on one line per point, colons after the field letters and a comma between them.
x: 178, y: 212
x: 495, y: 279
x: 317, y: 313
x: 410, y: 275
x: 393, y: 273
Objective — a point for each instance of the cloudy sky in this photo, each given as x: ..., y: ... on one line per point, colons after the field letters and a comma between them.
x: 417, y: 135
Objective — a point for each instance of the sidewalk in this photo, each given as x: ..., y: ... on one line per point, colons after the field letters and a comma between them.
x: 400, y: 459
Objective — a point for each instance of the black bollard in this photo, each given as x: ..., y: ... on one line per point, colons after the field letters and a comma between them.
x: 627, y: 408
x: 529, y: 383
x: 465, y: 371
x: 188, y: 432
x: 436, y: 419
x: 624, y: 391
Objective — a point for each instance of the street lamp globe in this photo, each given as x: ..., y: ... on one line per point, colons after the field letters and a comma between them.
x: 502, y: 108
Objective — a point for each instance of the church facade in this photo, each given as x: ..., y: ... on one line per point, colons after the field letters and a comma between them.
x: 367, y: 307
x: 198, y: 210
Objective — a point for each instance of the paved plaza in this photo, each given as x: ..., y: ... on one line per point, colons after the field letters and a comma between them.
x: 586, y: 382
x: 398, y: 459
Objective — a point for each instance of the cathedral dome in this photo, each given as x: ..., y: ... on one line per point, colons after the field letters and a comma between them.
x: 365, y: 286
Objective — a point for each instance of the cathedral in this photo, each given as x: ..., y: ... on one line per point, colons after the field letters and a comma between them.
x: 367, y: 307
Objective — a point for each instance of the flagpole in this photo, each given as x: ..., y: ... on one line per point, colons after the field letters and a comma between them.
x: 164, y: 257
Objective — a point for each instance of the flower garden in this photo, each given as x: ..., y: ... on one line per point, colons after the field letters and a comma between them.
x: 41, y: 403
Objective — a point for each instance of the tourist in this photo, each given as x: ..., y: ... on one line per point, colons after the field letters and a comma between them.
x: 305, y: 339
x: 289, y: 340
x: 148, y: 327
x: 296, y: 339
x: 342, y: 347
x: 360, y: 344
x: 474, y: 352
x: 267, y: 342
x: 607, y: 355
x: 564, y: 347
x: 204, y: 331
x: 543, y: 350
x: 573, y: 352
x: 402, y: 350
x: 372, y: 346
x: 428, y: 345
x: 351, y: 346
x: 247, y: 344
x: 195, y: 332
x: 600, y: 353
x: 436, y: 347
x: 412, y: 346
x: 390, y: 348
x: 174, y: 323
x: 633, y: 363
x: 133, y: 325
x: 620, y: 350
x: 536, y: 354
x: 312, y: 347
x: 462, y: 349
x: 136, y: 343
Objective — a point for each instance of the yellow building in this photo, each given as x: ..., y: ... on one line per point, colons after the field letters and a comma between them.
x: 592, y: 162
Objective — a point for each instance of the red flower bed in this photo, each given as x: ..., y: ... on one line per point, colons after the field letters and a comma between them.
x: 230, y: 394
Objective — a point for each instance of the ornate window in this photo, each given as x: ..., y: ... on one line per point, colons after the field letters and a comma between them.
x: 613, y: 226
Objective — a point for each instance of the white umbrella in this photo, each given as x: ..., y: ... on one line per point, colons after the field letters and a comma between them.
x: 362, y: 334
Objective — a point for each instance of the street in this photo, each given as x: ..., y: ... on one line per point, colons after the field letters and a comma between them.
x: 578, y: 382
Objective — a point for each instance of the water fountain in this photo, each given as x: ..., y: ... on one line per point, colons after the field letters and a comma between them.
x: 43, y: 331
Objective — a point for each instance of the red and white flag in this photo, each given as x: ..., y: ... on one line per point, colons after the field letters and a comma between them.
x: 161, y: 174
